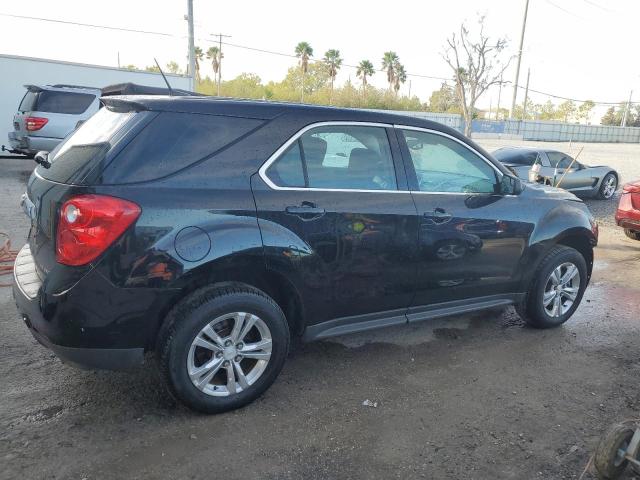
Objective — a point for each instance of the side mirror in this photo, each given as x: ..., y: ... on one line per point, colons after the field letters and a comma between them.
x: 511, y: 185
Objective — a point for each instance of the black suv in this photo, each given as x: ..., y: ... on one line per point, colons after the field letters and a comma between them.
x: 212, y: 232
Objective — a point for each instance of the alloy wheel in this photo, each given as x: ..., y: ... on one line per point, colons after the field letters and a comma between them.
x: 610, y: 186
x: 229, y: 354
x: 561, y: 289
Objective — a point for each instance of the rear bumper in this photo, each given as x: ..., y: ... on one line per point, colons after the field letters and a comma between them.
x: 32, y: 144
x: 65, y: 325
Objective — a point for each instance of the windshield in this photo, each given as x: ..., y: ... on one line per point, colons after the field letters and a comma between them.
x: 73, y: 158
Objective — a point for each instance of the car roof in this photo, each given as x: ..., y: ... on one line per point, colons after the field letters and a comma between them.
x: 265, y: 110
x: 516, y: 150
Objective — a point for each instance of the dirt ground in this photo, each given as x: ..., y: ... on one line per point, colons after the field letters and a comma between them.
x: 469, y: 397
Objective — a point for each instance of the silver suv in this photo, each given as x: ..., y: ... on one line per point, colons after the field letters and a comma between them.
x: 47, y: 114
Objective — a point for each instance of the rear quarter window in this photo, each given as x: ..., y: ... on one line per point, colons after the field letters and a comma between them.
x: 28, y: 101
x: 75, y: 156
x: 63, y: 102
x: 173, y: 141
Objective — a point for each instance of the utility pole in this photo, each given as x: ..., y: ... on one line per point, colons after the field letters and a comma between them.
x: 192, y: 48
x: 499, y: 95
x: 515, y: 84
x: 409, y: 88
x: 219, y: 35
x: 526, y: 96
x: 626, y: 111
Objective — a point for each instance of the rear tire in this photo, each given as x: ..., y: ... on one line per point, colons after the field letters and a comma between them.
x: 632, y: 234
x: 213, y: 366
x: 553, y: 296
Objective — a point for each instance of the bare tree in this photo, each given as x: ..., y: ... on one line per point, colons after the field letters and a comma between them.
x: 477, y: 64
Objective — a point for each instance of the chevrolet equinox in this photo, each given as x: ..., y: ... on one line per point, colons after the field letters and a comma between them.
x: 212, y: 232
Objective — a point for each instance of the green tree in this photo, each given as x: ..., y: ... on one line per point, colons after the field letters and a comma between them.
x: 199, y: 55
x: 390, y: 61
x: 131, y: 66
x: 584, y: 111
x: 215, y: 55
x: 444, y: 100
x: 333, y: 62
x: 365, y: 70
x: 477, y: 64
x: 152, y: 68
x: 173, y: 67
x: 400, y: 77
x: 304, y: 52
x: 566, y: 111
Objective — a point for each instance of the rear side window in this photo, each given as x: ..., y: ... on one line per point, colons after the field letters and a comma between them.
x: 74, y: 157
x: 337, y: 157
x: 63, y: 102
x: 173, y: 141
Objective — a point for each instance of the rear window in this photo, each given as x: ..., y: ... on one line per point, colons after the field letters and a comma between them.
x: 173, y: 141
x: 63, y: 102
x: 51, y: 101
x: 75, y: 156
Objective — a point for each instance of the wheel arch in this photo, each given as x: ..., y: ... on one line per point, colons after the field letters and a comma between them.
x: 253, y: 273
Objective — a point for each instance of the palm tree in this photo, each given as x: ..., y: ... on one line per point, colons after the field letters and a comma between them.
x: 303, y: 52
x: 333, y: 61
x: 365, y: 69
x: 199, y: 55
x: 215, y: 55
x: 401, y: 76
x: 390, y: 61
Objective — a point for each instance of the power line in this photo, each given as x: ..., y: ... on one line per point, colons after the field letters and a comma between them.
x: 79, y: 24
x: 563, y: 9
x: 271, y: 52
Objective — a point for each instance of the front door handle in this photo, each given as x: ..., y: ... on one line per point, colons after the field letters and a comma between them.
x: 438, y: 215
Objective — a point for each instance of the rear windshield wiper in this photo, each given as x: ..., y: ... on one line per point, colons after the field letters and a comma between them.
x: 42, y: 158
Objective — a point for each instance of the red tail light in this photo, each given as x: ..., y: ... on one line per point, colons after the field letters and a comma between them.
x: 88, y: 224
x: 35, y: 123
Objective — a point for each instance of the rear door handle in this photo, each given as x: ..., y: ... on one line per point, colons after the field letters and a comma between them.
x: 306, y: 210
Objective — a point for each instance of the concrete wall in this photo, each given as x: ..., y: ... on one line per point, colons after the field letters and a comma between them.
x: 17, y: 71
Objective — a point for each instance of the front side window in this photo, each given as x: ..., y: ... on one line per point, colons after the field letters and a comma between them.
x: 446, y: 166
x: 559, y: 160
x: 344, y: 157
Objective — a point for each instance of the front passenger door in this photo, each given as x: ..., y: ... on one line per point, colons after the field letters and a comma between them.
x: 471, y: 237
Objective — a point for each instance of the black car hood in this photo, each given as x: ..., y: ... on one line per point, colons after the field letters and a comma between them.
x: 537, y: 190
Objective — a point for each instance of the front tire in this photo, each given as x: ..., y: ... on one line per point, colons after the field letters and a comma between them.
x: 632, y: 234
x: 556, y: 289
x: 608, y: 186
x: 223, y: 347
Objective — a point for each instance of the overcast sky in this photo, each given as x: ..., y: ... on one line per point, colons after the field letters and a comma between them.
x: 584, y: 49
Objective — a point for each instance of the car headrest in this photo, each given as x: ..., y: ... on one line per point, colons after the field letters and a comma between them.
x: 362, y: 159
x: 314, y: 150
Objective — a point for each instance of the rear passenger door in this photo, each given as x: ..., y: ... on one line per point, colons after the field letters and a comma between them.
x: 334, y: 208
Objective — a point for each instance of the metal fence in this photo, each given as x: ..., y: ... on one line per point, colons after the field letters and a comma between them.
x: 535, y: 130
